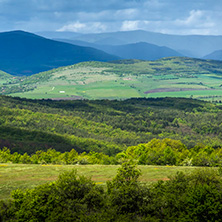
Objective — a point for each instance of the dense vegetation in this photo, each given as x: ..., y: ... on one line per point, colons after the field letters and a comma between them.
x: 106, y: 126
x: 185, y: 197
x: 155, y: 152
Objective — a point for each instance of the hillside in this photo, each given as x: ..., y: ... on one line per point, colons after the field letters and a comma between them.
x: 189, y: 45
x: 27, y: 54
x: 4, y: 77
x: 174, y: 77
x: 216, y: 55
x: 140, y: 50
x: 105, y: 126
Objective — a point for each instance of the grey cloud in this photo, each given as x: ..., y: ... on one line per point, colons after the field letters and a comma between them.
x: 171, y: 16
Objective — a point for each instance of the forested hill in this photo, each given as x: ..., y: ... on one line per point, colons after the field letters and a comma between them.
x: 26, y: 53
x: 105, y: 126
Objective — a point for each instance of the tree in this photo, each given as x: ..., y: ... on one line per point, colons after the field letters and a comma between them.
x: 69, y: 198
x: 125, y: 192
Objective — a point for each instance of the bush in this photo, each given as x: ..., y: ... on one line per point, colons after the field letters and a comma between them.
x: 66, y: 199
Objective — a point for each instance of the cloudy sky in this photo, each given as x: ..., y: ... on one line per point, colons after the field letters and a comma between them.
x: 93, y: 16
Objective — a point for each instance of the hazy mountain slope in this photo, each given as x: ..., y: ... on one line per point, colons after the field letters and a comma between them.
x: 216, y: 55
x: 78, y: 42
x: 25, y: 53
x: 56, y: 34
x: 141, y: 50
x: 193, y: 45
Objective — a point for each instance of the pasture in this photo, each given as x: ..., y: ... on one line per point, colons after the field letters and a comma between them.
x: 23, y: 176
x: 183, y: 77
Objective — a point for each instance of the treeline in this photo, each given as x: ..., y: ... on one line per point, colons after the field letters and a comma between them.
x: 52, y: 156
x: 155, y: 152
x: 173, y: 152
x: 184, y: 197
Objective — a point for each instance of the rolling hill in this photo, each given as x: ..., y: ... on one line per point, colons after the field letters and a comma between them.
x: 121, y: 79
x: 216, y: 55
x: 26, y: 53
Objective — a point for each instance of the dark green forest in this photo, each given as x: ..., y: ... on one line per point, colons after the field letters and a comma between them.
x: 106, y: 126
x: 174, y: 131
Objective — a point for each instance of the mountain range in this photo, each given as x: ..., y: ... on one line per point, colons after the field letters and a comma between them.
x: 196, y: 46
x: 139, y: 50
x: 24, y: 53
x: 189, y: 45
x: 216, y: 55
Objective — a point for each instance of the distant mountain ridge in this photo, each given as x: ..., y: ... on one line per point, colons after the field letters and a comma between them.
x: 24, y: 53
x: 140, y: 50
x: 216, y: 55
x: 189, y: 45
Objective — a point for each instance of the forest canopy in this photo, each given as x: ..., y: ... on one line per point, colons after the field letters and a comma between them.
x: 174, y: 131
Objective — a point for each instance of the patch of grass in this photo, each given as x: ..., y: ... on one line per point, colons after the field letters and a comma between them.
x: 23, y: 176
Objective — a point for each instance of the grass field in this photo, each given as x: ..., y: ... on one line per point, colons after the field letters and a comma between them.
x: 127, y: 87
x: 13, y: 176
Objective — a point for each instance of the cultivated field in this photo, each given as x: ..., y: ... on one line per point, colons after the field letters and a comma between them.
x: 182, y: 77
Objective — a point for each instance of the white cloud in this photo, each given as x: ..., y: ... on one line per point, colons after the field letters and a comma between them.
x: 195, y: 18
x: 90, y: 27
x: 129, y: 25
x: 75, y: 27
x: 198, y: 22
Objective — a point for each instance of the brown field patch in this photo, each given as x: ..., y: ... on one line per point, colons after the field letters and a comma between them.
x: 68, y: 98
x: 173, y: 90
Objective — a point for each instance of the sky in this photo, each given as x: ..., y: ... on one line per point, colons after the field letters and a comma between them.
x: 183, y: 17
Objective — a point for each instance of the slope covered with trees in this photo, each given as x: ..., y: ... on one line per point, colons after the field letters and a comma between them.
x: 106, y: 126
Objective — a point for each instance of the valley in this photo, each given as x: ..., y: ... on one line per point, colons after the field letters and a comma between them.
x: 110, y: 111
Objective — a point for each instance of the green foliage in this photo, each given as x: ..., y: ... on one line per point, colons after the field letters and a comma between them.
x: 155, y: 152
x: 124, y: 190
x: 67, y: 199
x: 51, y: 156
x: 194, y: 197
x: 184, y: 197
x: 159, y: 152
x: 105, y: 126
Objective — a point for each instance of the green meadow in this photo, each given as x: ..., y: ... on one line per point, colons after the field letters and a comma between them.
x: 23, y: 176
